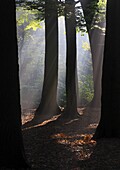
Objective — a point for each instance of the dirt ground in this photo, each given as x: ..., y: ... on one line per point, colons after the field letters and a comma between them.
x: 67, y: 145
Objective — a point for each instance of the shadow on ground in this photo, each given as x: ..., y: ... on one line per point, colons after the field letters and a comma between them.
x: 67, y: 145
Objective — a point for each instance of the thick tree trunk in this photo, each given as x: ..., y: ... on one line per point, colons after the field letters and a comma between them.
x: 11, y: 144
x: 71, y: 97
x: 109, y: 125
x: 48, y: 105
x: 96, y: 43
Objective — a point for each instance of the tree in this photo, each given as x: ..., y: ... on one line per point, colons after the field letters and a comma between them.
x: 71, y: 97
x: 12, y: 153
x: 89, y: 14
x: 96, y: 37
x: 109, y: 125
x: 48, y: 105
x: 86, y: 4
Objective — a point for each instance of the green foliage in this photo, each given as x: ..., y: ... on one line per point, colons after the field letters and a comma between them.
x: 34, y: 24
x: 94, y: 14
x: 85, y: 75
x: 86, y: 46
x: 94, y: 11
x: 102, y: 4
x: 99, y: 15
x: 28, y: 17
x: 86, y: 89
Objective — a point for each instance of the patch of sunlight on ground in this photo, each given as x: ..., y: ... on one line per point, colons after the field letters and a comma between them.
x: 43, y: 123
x: 81, y: 144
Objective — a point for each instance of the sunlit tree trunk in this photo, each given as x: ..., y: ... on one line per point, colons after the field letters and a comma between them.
x: 71, y: 97
x: 96, y: 38
x: 11, y: 143
x: 48, y: 105
x: 109, y: 125
x: 97, y: 47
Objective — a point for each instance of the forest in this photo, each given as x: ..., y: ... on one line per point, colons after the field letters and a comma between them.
x: 59, y: 85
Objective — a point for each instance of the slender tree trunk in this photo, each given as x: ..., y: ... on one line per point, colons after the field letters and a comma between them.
x: 12, y: 153
x: 71, y: 97
x: 48, y: 105
x: 109, y: 125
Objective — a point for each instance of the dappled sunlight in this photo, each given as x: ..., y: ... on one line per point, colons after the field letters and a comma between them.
x: 93, y: 126
x: 53, y: 115
x: 27, y: 118
x: 43, y: 122
x: 58, y: 137
x: 82, y: 145
x: 86, y: 121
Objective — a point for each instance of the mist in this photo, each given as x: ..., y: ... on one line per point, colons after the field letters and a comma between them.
x: 31, y: 50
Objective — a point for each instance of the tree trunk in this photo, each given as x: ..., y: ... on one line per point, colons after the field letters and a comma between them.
x: 11, y: 143
x: 109, y: 125
x: 71, y: 97
x: 48, y: 105
x: 97, y: 46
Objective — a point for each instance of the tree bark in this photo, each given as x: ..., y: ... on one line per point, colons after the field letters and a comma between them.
x: 12, y: 153
x: 97, y: 46
x: 71, y: 96
x: 109, y: 125
x: 48, y: 105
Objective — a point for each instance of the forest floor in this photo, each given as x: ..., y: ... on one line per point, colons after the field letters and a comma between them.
x: 67, y: 145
